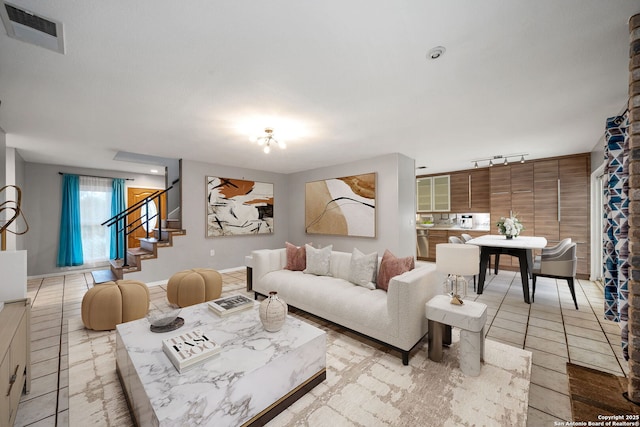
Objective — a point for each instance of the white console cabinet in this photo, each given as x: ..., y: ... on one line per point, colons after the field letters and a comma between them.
x: 15, y: 357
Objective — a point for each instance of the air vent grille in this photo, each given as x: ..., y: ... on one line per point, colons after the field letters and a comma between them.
x: 25, y: 18
x: 31, y: 27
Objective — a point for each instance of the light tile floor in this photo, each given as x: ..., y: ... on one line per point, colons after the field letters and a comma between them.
x: 551, y: 328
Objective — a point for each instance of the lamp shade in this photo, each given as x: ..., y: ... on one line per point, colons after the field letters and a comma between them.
x: 458, y: 259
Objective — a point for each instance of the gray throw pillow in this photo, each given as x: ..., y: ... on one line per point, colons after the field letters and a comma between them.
x: 363, y: 269
x: 318, y: 260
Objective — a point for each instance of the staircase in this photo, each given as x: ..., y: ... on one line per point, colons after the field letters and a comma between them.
x: 132, y: 259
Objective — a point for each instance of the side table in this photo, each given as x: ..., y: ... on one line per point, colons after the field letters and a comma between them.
x: 470, y: 318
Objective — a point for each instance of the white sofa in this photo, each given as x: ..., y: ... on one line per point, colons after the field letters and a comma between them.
x: 395, y: 317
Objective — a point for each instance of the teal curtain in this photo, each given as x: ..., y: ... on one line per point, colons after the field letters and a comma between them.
x: 117, y: 206
x: 70, y: 245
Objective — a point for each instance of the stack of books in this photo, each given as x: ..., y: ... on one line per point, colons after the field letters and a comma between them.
x: 231, y: 304
x: 189, y: 348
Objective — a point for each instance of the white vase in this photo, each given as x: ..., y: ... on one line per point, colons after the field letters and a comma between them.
x: 273, y: 312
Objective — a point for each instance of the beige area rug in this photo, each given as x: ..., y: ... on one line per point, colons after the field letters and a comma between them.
x: 366, y: 385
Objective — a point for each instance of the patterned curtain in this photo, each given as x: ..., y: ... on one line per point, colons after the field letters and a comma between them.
x: 616, y: 210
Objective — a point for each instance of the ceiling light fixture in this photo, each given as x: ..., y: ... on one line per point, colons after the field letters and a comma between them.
x: 267, y: 140
x: 500, y: 157
x: 436, y: 52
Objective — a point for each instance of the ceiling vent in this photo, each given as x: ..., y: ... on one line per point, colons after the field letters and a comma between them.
x: 31, y: 28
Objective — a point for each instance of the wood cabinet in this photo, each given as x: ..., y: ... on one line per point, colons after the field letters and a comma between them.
x: 433, y: 194
x: 435, y: 237
x: 470, y: 191
x: 442, y: 236
x: 512, y: 194
x: 562, y: 203
x: 15, y: 366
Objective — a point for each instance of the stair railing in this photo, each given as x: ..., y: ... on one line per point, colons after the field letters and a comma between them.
x: 15, y: 207
x: 124, y: 229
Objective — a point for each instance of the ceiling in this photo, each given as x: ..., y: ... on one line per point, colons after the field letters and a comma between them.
x: 339, y: 81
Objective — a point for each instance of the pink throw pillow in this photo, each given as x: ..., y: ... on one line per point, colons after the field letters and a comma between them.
x: 296, y: 257
x: 392, y: 266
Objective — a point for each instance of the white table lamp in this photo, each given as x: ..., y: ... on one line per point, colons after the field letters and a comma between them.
x: 457, y: 260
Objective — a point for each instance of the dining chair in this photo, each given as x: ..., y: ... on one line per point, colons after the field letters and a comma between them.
x: 557, y: 248
x: 465, y: 237
x: 454, y: 239
x: 560, y: 265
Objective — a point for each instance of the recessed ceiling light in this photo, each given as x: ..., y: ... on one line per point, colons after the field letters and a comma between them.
x: 154, y: 170
x: 436, y: 52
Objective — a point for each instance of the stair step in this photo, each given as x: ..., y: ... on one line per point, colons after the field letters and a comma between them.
x: 143, y: 253
x: 153, y: 240
x: 103, y: 276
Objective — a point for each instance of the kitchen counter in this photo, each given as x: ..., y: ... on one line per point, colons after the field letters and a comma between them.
x: 455, y: 228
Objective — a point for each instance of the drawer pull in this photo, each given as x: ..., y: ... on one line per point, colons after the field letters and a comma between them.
x: 12, y: 380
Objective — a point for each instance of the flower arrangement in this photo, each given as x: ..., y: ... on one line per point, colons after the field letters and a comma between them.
x: 510, y: 227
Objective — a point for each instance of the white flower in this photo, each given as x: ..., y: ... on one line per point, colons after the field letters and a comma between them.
x: 510, y: 226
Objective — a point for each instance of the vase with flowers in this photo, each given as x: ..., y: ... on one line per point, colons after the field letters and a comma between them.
x: 510, y: 227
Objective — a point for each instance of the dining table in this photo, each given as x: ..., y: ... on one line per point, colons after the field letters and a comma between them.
x: 520, y: 247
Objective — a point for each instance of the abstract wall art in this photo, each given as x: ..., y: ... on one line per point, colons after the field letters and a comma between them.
x: 238, y: 207
x: 342, y: 206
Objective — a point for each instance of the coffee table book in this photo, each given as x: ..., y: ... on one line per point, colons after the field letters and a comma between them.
x: 231, y: 304
x: 189, y: 348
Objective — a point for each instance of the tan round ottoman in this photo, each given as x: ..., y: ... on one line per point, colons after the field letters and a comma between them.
x: 194, y: 286
x: 107, y: 304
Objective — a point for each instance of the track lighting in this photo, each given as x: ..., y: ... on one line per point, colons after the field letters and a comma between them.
x: 503, y: 158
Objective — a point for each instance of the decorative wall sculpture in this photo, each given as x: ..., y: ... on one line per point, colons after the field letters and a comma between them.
x: 342, y: 206
x: 238, y: 207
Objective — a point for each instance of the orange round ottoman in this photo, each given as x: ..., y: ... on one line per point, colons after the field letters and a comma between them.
x: 110, y: 303
x: 194, y: 286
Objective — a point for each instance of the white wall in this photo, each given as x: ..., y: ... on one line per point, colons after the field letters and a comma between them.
x: 14, y: 167
x: 42, y: 200
x: 193, y: 250
x: 395, y: 206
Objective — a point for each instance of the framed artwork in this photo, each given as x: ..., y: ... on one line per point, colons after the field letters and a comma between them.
x: 238, y: 207
x: 341, y: 206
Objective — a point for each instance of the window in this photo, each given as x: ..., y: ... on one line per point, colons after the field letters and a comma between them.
x: 95, y: 208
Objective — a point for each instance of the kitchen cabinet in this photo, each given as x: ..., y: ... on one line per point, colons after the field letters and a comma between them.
x: 15, y: 366
x: 436, y: 237
x: 470, y: 191
x: 442, y: 236
x: 433, y: 194
x: 512, y: 194
x: 424, y: 197
x: 562, y: 203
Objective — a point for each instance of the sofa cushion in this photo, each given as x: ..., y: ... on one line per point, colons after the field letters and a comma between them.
x: 363, y: 269
x: 392, y: 266
x: 318, y: 260
x: 296, y: 257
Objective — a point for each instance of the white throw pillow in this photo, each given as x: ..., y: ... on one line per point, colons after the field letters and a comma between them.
x: 363, y: 269
x: 318, y: 260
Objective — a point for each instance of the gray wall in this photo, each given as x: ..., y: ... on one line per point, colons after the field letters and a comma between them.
x: 193, y: 250
x: 42, y: 199
x: 395, y: 207
x: 395, y: 215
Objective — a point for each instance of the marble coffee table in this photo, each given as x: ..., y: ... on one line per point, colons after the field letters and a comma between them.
x: 256, y: 375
